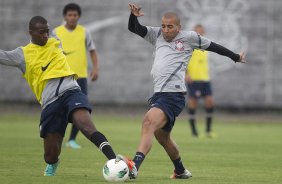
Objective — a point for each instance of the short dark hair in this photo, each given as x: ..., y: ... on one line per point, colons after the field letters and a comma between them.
x: 72, y: 7
x: 172, y: 15
x: 36, y: 19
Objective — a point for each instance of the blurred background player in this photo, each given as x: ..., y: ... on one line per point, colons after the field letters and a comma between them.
x: 199, y: 85
x: 76, y: 41
x: 50, y: 78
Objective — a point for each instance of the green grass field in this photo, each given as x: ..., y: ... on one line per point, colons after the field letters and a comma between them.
x: 247, y: 150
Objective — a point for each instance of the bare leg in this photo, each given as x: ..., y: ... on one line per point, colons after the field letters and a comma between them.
x: 52, y: 150
x: 153, y: 120
x: 52, y: 147
x: 169, y: 145
x: 82, y: 120
x: 171, y: 148
x: 209, y: 103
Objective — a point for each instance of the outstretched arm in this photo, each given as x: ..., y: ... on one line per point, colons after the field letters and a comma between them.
x: 133, y: 23
x: 13, y: 58
x: 214, y: 47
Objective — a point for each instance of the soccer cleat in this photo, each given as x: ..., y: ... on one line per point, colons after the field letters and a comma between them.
x: 185, y: 175
x: 73, y: 144
x: 51, y: 169
x: 131, y: 166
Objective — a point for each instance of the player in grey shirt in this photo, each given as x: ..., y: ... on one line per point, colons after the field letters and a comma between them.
x: 173, y: 49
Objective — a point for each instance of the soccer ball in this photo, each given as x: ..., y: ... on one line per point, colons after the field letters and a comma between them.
x: 115, y: 170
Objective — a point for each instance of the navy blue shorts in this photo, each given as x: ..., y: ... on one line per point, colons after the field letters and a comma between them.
x: 82, y: 82
x: 55, y: 117
x: 171, y: 104
x: 199, y: 89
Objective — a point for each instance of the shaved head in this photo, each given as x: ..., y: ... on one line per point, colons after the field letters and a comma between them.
x: 170, y: 26
x: 172, y: 15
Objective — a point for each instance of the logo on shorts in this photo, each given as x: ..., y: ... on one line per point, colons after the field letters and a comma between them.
x: 154, y: 104
x: 77, y: 103
x: 198, y: 93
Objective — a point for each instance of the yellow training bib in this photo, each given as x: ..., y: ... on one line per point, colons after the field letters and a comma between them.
x: 198, y: 67
x: 44, y: 63
x: 73, y: 43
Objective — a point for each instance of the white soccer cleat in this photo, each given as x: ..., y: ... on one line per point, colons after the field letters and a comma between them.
x: 185, y: 175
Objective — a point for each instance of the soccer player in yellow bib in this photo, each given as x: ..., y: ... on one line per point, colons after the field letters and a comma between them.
x: 199, y: 85
x: 50, y: 78
x: 76, y: 41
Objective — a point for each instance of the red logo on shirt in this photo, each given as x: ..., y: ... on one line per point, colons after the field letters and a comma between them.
x: 179, y: 45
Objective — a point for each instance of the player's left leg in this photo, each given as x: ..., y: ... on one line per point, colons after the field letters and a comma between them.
x: 171, y: 148
x: 82, y: 120
x: 52, y: 150
x: 209, y: 106
x: 192, y: 105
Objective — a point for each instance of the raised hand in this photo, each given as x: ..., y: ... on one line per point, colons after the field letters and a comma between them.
x: 242, y: 58
x: 135, y: 10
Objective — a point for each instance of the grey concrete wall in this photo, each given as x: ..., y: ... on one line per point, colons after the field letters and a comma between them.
x: 125, y: 59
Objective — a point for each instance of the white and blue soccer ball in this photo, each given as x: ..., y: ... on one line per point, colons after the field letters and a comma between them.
x: 115, y: 171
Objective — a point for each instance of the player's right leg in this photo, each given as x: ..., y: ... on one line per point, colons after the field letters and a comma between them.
x: 171, y: 148
x: 154, y: 119
x: 72, y: 143
x: 52, y: 150
x: 52, y: 129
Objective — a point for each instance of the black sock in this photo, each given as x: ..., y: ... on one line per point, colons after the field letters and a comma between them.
x: 179, y: 168
x: 192, y: 121
x: 138, y: 159
x: 74, y: 132
x: 102, y: 143
x: 209, y: 112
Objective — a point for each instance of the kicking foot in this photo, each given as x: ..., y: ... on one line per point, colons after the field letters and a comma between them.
x: 131, y: 166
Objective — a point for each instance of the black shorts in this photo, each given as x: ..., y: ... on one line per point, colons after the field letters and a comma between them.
x: 199, y: 89
x: 55, y: 117
x: 82, y: 82
x: 171, y: 103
